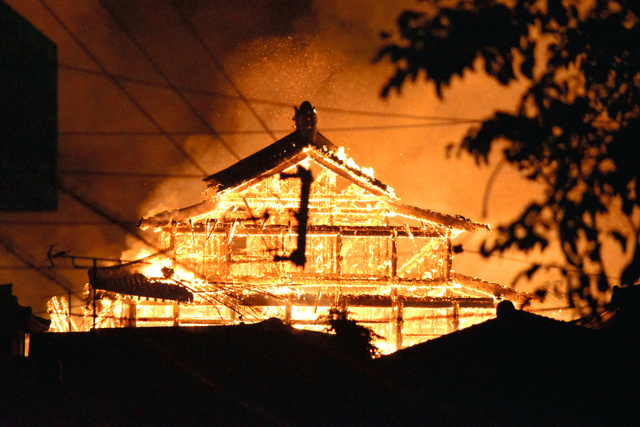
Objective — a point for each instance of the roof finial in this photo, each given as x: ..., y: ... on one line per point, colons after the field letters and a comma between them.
x: 306, y: 120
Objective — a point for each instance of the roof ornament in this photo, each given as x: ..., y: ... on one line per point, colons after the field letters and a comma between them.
x: 306, y: 121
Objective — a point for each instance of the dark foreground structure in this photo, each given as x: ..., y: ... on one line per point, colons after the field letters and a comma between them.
x: 28, y: 116
x: 516, y: 369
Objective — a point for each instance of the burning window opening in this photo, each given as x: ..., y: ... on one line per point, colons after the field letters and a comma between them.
x: 355, y: 246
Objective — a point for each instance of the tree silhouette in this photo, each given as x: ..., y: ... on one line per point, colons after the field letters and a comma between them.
x: 354, y: 339
x: 576, y: 129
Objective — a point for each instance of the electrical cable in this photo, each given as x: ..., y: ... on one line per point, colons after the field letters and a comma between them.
x: 165, y: 86
x: 8, y: 244
x: 452, y: 120
x: 397, y: 115
x: 166, y: 79
x: 251, y: 132
x: 540, y: 264
x: 130, y: 174
x: 220, y: 68
x: 59, y: 223
x: 121, y: 87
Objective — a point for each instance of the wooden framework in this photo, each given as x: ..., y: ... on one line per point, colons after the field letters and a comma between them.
x: 387, y: 263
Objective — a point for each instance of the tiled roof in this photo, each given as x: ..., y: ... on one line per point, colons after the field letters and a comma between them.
x: 264, y: 160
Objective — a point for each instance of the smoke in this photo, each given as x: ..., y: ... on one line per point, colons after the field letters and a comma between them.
x: 279, y: 52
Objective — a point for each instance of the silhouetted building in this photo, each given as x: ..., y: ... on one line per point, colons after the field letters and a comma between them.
x: 28, y: 116
x: 16, y: 325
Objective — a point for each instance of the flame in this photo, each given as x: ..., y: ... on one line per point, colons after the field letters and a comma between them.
x: 393, y: 278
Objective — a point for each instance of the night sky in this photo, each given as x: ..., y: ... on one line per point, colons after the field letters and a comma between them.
x: 172, y: 110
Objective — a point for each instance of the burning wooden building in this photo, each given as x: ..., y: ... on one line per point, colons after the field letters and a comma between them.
x: 290, y: 232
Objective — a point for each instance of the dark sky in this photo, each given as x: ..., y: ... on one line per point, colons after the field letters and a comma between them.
x: 274, y: 53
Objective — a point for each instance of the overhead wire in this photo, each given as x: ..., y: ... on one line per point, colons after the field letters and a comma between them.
x: 444, y: 119
x: 130, y: 174
x: 183, y: 89
x: 162, y: 132
x: 540, y: 264
x: 61, y: 223
x: 167, y: 81
x: 95, y: 208
x: 86, y: 203
x: 60, y: 281
x: 220, y: 68
x: 121, y: 87
x: 212, y: 57
x: 251, y: 132
x: 397, y: 115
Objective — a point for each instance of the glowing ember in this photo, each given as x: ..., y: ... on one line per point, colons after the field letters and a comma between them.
x: 388, y: 264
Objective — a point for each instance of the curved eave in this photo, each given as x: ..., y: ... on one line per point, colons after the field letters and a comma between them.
x: 321, y: 156
x: 493, y: 289
x: 326, y: 159
x: 454, y: 221
x: 217, y: 191
x: 177, y: 215
x: 262, y: 161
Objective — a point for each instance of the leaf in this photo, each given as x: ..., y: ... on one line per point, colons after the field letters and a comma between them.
x: 603, y: 282
x: 585, y: 283
x: 448, y: 149
x: 631, y: 273
x: 581, y: 145
x: 531, y: 271
x: 541, y: 294
x: 622, y: 240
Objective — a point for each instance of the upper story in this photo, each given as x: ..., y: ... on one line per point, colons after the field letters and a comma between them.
x: 355, y: 226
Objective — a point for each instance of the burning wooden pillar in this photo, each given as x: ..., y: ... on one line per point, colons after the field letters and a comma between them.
x: 176, y: 313
x: 287, y: 313
x: 339, y: 254
x: 454, y: 320
x: 398, y: 308
x: 394, y: 255
x: 133, y: 313
x: 357, y: 246
x: 449, y: 255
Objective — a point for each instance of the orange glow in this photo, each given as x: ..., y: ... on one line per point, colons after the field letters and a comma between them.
x: 388, y: 264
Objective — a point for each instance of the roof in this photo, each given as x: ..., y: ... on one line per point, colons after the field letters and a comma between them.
x: 622, y: 313
x: 128, y: 279
x: 517, y: 366
x: 493, y: 289
x: 290, y: 150
x: 285, y: 153
x: 454, y: 221
x: 266, y: 159
x: 14, y: 317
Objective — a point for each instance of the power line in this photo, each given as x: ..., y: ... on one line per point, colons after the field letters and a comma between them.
x: 62, y: 223
x: 37, y: 268
x: 121, y: 87
x: 59, y: 281
x: 540, y: 264
x: 126, y: 227
x: 452, y: 120
x: 253, y: 132
x: 391, y: 127
x: 180, y: 88
x: 220, y: 68
x: 397, y: 115
x: 151, y: 133
x: 166, y: 79
x: 131, y: 174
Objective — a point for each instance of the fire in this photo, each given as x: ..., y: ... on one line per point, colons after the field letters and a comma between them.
x: 230, y: 259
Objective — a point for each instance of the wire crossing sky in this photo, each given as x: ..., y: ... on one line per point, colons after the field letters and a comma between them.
x: 154, y: 98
